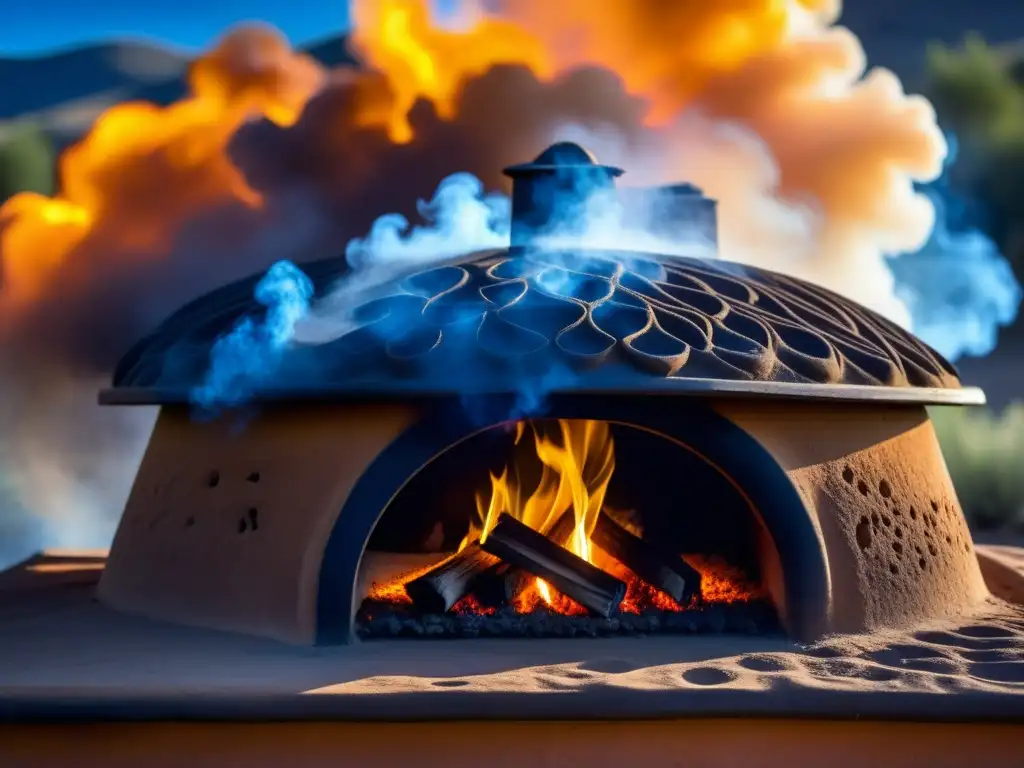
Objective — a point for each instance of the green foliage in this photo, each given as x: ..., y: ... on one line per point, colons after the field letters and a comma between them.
x: 974, y: 90
x: 27, y: 162
x: 985, y: 456
x: 978, y: 93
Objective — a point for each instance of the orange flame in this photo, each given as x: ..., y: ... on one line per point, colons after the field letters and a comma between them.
x: 665, y: 52
x: 421, y: 60
x: 145, y: 171
x: 576, y: 472
x: 145, y: 165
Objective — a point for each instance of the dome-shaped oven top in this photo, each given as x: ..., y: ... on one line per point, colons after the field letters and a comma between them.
x: 575, y: 320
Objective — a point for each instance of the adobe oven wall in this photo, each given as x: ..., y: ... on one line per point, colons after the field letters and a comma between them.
x: 226, y: 524
x: 875, y: 481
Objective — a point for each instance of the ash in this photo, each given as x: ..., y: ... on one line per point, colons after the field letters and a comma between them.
x: 377, y: 620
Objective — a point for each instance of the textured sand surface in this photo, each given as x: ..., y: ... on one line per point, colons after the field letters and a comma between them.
x: 985, y: 654
x: 66, y: 655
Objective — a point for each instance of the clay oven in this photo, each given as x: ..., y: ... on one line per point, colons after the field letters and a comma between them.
x: 551, y: 440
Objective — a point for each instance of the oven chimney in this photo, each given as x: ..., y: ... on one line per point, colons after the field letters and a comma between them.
x: 550, y: 191
x: 674, y: 211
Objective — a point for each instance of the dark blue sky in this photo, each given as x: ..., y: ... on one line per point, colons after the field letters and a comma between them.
x: 37, y: 26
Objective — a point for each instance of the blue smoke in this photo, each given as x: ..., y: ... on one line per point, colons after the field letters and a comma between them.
x: 461, y: 217
x: 958, y: 288
x: 531, y: 399
x: 250, y: 355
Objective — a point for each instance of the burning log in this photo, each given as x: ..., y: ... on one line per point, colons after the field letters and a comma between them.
x: 666, y: 572
x: 501, y: 584
x: 449, y: 581
x: 519, y: 545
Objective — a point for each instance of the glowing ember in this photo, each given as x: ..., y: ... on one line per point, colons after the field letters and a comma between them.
x: 576, y: 471
x: 470, y: 605
x: 394, y: 591
x: 539, y: 594
x: 722, y: 582
x: 639, y: 594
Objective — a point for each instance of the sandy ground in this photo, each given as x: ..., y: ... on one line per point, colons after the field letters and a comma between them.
x: 64, y: 655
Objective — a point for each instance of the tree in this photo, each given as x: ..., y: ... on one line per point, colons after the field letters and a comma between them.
x: 978, y: 93
x: 974, y: 88
x: 27, y: 162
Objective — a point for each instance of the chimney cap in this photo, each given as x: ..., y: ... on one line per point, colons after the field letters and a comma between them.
x: 683, y: 188
x: 560, y: 156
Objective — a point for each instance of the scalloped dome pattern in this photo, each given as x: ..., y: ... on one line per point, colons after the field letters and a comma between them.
x: 498, y: 315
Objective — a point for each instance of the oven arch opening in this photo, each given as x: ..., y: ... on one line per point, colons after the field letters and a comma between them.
x: 765, y: 521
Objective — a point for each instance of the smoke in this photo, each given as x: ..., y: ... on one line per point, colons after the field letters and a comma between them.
x: 151, y: 213
x: 958, y: 288
x: 250, y: 354
x: 764, y: 105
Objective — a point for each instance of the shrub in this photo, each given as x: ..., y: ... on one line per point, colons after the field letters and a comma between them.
x: 978, y: 94
x: 985, y: 455
x: 27, y: 162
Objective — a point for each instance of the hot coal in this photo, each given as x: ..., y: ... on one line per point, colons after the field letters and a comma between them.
x: 665, y: 571
x: 383, y: 620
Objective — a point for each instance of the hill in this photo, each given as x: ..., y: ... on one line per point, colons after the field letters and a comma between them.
x: 65, y: 92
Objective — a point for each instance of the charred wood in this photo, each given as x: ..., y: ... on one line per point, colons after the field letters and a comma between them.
x: 662, y: 570
x: 501, y: 584
x: 521, y: 546
x: 450, y: 580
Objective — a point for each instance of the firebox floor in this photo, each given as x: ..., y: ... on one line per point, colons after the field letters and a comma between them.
x: 66, y: 656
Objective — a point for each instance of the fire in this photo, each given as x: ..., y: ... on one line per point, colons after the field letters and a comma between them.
x: 421, y: 60
x: 722, y: 582
x: 664, y: 52
x: 145, y: 173
x: 155, y: 184
x: 393, y: 591
x: 575, y: 476
x: 539, y: 594
x: 577, y: 467
x: 143, y: 165
x: 545, y: 591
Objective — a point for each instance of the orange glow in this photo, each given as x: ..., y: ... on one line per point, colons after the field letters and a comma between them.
x: 722, y: 582
x: 469, y: 604
x: 576, y: 470
x: 544, y: 590
x: 538, y: 594
x: 664, y: 52
x: 145, y: 165
x: 575, y: 475
x: 394, y: 591
x: 424, y: 61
